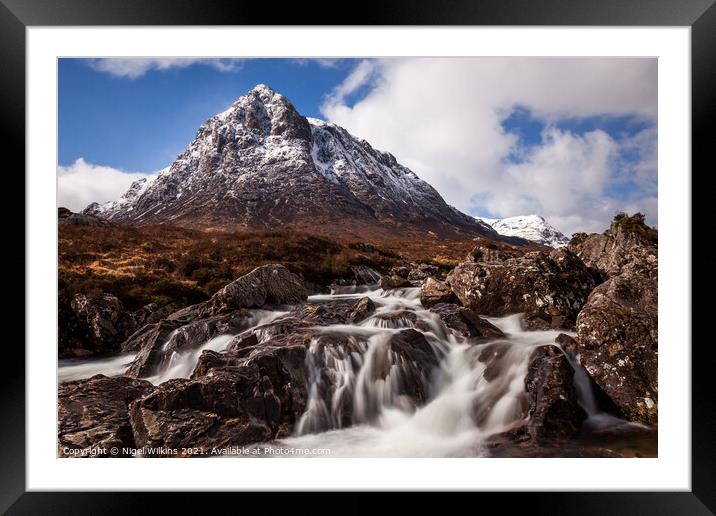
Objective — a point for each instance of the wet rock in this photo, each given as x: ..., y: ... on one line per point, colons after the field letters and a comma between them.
x: 158, y: 342
x: 412, y: 345
x: 433, y: 292
x: 93, y: 325
x: 152, y: 313
x: 466, y: 322
x: 362, y: 308
x: 554, y: 410
x: 393, y: 282
x: 365, y: 275
x: 492, y: 355
x: 265, y: 285
x: 628, y: 244
x: 617, y: 343
x: 400, y: 319
x: 568, y: 343
x: 557, y: 284
x: 542, y: 319
x: 242, y: 341
x: 230, y: 400
x: 149, y: 334
x: 93, y: 415
x: 417, y: 360
x: 307, y: 315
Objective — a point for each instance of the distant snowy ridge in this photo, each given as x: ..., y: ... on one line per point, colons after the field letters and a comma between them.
x: 529, y: 227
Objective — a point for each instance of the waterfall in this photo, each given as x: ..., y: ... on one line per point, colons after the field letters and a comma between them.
x: 364, y: 398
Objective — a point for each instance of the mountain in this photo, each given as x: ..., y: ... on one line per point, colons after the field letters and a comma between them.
x: 529, y: 227
x: 261, y: 165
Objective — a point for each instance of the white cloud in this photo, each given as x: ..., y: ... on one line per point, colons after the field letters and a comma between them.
x: 360, y: 76
x: 134, y: 67
x: 443, y: 118
x: 323, y: 62
x: 82, y: 183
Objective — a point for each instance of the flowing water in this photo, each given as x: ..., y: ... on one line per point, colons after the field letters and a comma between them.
x: 475, y: 390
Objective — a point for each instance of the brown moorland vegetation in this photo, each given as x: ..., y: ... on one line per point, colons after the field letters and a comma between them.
x: 143, y: 264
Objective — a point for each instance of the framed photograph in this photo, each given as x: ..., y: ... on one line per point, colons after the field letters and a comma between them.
x: 417, y: 250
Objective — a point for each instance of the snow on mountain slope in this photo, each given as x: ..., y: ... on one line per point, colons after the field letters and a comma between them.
x: 260, y: 164
x: 529, y: 227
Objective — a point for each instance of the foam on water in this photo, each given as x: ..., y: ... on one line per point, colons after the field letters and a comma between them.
x: 364, y: 413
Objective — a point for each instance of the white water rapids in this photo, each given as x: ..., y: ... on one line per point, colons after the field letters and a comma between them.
x: 365, y: 377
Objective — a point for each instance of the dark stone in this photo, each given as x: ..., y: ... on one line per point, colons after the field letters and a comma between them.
x: 617, y: 343
x: 92, y: 325
x: 568, y: 343
x: 492, y: 356
x: 362, y: 309
x: 556, y: 284
x: 554, y: 410
x: 233, y: 398
x: 433, y: 292
x: 157, y: 342
x: 422, y: 271
x: 266, y: 285
x: 93, y: 415
x: 393, y: 282
x: 466, y: 322
x: 365, y: 275
x: 401, y: 319
x: 486, y: 254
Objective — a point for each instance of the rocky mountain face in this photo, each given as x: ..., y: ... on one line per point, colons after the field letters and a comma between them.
x: 530, y: 227
x: 260, y: 164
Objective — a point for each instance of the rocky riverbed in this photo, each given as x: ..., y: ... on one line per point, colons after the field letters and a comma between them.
x: 509, y: 353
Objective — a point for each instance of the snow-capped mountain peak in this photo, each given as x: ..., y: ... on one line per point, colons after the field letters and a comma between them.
x: 529, y: 227
x: 260, y: 164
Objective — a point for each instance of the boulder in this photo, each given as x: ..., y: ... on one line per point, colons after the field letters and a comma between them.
x: 399, y: 270
x: 93, y: 325
x: 361, y: 309
x: 568, y: 344
x: 156, y: 343
x: 266, y: 285
x: 339, y: 311
x: 557, y: 283
x: 466, y: 322
x: 433, y: 292
x: 231, y: 400
x: 628, y: 244
x: 93, y: 415
x: 308, y: 315
x: 416, y: 359
x: 393, y: 282
x: 554, y: 411
x: 400, y: 319
x: 617, y: 343
x: 422, y: 271
x: 485, y: 254
x: 492, y: 355
x: 152, y: 313
x: 364, y: 275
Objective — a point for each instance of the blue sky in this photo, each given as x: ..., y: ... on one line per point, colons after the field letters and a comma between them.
x: 495, y: 139
x: 143, y: 123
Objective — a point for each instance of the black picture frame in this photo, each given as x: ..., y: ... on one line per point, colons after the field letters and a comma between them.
x: 700, y: 15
